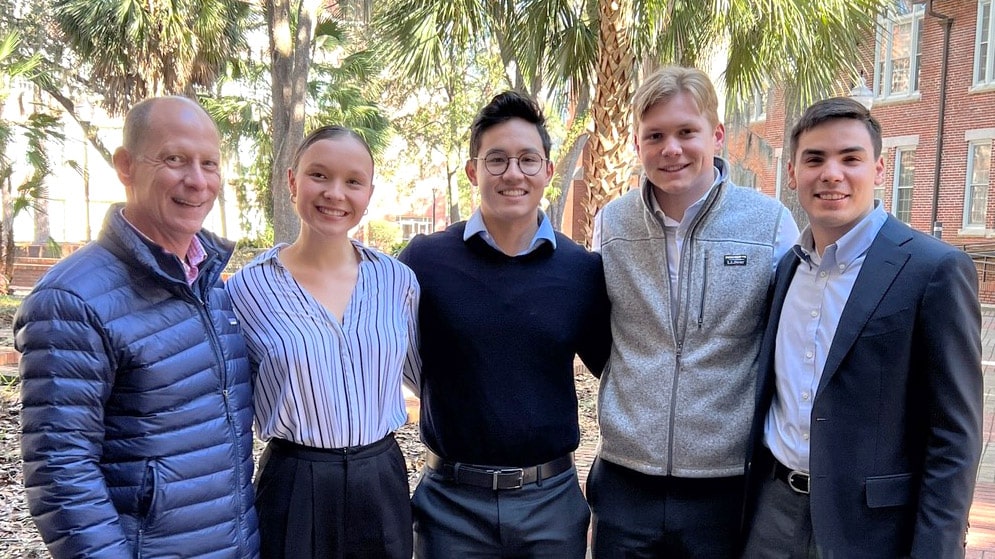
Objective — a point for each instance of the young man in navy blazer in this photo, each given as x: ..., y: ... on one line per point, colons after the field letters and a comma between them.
x: 867, y: 431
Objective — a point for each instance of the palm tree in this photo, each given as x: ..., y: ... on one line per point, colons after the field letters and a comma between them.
x: 540, y: 44
x: 37, y: 130
x: 808, y: 45
x: 333, y: 92
x: 140, y: 49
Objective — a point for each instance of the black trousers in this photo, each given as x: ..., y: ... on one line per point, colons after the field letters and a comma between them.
x: 642, y: 516
x: 334, y: 503
x: 781, y: 527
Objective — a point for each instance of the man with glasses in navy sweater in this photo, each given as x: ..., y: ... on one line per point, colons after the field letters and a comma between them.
x: 506, y: 305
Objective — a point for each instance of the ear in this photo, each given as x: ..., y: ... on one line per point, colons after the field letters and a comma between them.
x: 549, y: 170
x: 291, y: 183
x: 720, y: 135
x: 122, y: 165
x: 471, y: 171
x: 792, y: 184
x: 635, y: 140
x: 879, y: 171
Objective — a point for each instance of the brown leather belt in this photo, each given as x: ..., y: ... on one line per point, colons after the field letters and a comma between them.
x: 492, y: 477
x: 796, y: 480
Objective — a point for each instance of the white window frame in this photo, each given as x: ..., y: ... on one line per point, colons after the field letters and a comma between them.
x: 969, y: 185
x: 757, y: 108
x: 901, y: 155
x: 879, y: 191
x: 416, y: 225
x: 984, y: 44
x: 883, y: 63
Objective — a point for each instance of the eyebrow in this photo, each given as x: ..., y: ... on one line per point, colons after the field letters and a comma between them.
x: 505, y: 152
x: 822, y: 152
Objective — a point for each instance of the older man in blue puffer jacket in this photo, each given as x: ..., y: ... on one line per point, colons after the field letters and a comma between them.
x: 136, y: 387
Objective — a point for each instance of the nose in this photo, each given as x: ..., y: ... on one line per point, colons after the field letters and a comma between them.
x: 334, y: 190
x: 831, y: 172
x: 514, y: 169
x: 671, y: 147
x: 196, y: 176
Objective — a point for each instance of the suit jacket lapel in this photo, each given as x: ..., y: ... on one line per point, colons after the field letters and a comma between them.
x: 782, y: 279
x: 884, y: 260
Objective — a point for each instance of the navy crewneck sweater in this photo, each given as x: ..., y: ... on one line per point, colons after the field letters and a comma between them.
x: 498, y: 338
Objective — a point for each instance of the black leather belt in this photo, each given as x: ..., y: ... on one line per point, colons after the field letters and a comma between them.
x: 796, y: 480
x: 495, y: 478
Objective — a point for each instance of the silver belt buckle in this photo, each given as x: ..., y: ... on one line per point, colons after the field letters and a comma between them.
x: 798, y: 482
x: 518, y: 475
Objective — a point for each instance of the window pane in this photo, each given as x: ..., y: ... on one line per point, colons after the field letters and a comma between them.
x: 982, y: 164
x: 979, y: 201
x: 915, y: 69
x: 903, y: 206
x: 984, y: 43
x: 905, y: 170
x: 978, y: 176
x: 901, y: 57
x: 898, y: 50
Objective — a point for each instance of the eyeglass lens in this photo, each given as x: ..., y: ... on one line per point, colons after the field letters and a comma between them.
x: 529, y: 164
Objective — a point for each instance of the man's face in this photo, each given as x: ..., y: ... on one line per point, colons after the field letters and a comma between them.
x: 511, y: 197
x: 834, y: 171
x: 173, y: 176
x: 676, y: 144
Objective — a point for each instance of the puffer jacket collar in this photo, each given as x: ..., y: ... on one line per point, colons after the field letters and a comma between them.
x: 122, y: 240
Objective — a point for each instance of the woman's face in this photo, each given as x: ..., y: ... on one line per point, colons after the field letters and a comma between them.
x: 332, y: 185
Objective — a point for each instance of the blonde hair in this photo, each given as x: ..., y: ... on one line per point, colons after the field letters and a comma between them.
x: 667, y: 82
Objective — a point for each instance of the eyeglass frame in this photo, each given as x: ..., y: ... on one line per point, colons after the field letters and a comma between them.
x: 518, y: 161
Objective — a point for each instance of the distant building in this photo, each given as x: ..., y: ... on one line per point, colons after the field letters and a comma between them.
x: 926, y: 91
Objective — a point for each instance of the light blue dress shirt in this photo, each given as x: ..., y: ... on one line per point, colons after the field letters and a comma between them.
x: 809, y: 317
x: 475, y: 226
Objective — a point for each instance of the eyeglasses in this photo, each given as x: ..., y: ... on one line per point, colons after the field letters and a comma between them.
x: 497, y: 163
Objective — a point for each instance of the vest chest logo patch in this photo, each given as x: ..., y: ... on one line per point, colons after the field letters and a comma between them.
x: 735, y: 260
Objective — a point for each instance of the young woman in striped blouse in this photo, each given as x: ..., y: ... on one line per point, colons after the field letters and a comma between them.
x: 330, y: 326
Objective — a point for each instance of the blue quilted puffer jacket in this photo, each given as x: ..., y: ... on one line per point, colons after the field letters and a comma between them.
x: 137, y: 418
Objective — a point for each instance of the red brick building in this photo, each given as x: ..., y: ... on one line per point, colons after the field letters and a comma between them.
x: 928, y: 91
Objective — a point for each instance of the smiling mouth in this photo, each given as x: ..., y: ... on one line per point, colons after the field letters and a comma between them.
x: 675, y: 168
x: 331, y: 212
x: 187, y: 204
x: 831, y: 196
x: 514, y: 192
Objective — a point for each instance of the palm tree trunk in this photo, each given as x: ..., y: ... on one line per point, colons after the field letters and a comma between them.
x: 789, y: 197
x: 291, y: 56
x: 608, y: 160
x: 7, y: 237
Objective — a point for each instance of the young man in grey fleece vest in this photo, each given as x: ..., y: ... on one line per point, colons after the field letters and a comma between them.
x: 688, y: 261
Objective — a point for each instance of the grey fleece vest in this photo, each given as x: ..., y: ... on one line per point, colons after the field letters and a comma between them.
x: 677, y: 395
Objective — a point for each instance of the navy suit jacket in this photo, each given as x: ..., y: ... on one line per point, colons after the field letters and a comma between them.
x: 896, y: 422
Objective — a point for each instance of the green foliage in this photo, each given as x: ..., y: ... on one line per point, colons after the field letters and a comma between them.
x: 40, y: 129
x: 396, y: 248
x: 53, y: 248
x: 263, y: 240
x: 382, y: 235
x: 341, y: 90
x: 136, y: 50
x: 8, y: 306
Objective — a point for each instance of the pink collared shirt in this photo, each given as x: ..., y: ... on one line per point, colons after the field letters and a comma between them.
x: 195, y: 253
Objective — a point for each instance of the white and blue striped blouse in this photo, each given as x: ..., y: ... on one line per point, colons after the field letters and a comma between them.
x: 319, y: 382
